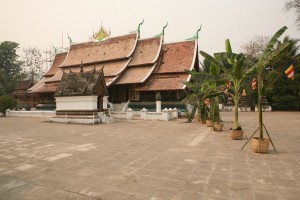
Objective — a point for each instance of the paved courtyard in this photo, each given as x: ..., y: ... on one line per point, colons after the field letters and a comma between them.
x: 153, y: 160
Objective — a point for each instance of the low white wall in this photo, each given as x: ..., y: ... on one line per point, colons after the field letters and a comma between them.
x: 119, y: 115
x: 30, y: 113
x: 154, y: 116
x: 76, y: 103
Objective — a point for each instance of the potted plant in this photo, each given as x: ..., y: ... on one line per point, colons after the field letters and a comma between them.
x: 234, y: 68
x: 239, y: 69
x: 260, y: 144
x: 196, y: 95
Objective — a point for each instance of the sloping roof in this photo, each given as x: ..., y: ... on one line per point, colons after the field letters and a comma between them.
x: 24, y: 85
x: 178, y: 57
x: 159, y: 82
x: 38, y: 85
x: 58, y: 60
x: 115, y: 48
x: 146, y: 52
x: 47, y: 88
x: 143, y: 62
x: 129, y: 60
x: 175, y: 59
x: 82, y: 83
x: 136, y: 74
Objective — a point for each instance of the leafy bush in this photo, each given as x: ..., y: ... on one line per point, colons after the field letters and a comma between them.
x: 7, y: 102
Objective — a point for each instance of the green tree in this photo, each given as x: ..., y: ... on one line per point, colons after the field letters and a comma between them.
x: 10, y: 67
x: 283, y: 93
x: 7, y: 102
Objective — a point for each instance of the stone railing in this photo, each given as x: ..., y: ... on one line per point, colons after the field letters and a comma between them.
x: 39, y: 113
x: 144, y: 114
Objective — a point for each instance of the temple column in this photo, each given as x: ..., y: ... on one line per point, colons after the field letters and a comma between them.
x: 158, y: 102
x: 105, y: 102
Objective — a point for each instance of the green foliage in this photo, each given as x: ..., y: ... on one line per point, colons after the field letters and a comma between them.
x: 10, y: 67
x: 235, y: 68
x: 283, y: 93
x: 7, y: 102
x: 271, y: 51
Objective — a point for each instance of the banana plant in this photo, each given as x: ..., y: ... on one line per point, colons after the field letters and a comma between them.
x: 271, y: 52
x: 235, y: 68
x: 197, y: 94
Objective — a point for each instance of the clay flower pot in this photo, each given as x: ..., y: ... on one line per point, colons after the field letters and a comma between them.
x: 218, y: 127
x: 236, y: 134
x: 260, y: 146
x: 209, y: 123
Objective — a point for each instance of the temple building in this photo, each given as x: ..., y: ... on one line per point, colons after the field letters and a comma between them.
x: 134, y: 69
x: 43, y: 91
x: 24, y: 100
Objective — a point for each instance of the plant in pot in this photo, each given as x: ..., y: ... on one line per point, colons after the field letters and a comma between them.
x: 235, y: 68
x: 238, y: 71
x: 214, y: 90
x: 260, y: 144
x: 196, y: 95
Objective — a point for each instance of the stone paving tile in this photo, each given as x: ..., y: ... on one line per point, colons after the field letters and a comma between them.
x: 146, y: 160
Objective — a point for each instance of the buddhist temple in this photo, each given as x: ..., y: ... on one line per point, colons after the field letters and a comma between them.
x: 134, y: 69
x: 44, y: 90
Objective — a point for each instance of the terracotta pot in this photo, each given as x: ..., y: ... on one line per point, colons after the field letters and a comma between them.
x: 260, y: 146
x: 218, y: 127
x: 209, y: 123
x: 236, y: 134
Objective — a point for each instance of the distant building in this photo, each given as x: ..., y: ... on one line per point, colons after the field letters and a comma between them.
x: 24, y: 99
x: 134, y: 69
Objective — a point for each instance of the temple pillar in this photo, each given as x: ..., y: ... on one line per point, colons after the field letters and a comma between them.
x: 105, y: 102
x: 158, y: 102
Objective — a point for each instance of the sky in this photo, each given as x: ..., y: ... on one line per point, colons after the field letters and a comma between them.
x: 46, y: 23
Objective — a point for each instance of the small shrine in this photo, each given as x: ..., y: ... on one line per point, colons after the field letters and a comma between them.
x: 229, y: 106
x: 79, y: 97
x: 243, y: 105
x: 265, y: 105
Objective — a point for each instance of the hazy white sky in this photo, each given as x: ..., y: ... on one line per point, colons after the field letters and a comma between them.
x: 39, y: 23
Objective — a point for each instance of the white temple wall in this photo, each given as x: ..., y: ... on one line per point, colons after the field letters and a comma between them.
x: 76, y: 103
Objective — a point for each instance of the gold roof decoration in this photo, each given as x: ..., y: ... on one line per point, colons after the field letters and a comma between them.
x: 101, y: 34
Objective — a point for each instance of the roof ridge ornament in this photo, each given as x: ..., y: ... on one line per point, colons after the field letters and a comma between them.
x: 162, y: 34
x: 70, y: 39
x: 139, y: 26
x: 196, y: 36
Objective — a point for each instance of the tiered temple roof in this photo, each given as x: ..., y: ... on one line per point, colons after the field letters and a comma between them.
x: 22, y: 87
x: 52, y: 78
x: 148, y: 63
x: 170, y: 74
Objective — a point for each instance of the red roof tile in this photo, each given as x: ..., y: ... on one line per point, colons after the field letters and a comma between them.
x: 24, y: 85
x: 135, y: 74
x: 146, y: 52
x: 47, y: 88
x: 110, y: 80
x: 94, y: 52
x: 158, y: 82
x: 58, y: 60
x: 177, y: 57
x: 56, y: 77
x: 38, y: 85
x: 110, y: 68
